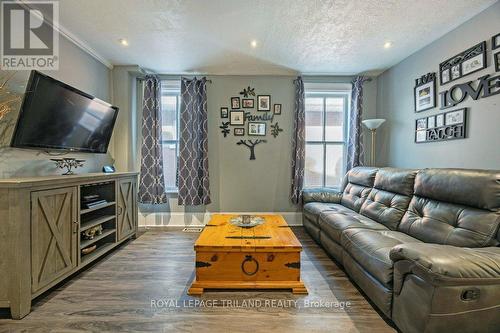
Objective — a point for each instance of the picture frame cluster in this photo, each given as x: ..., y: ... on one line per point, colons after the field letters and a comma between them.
x: 239, y: 115
x: 449, y: 125
x: 463, y: 64
x: 452, y: 124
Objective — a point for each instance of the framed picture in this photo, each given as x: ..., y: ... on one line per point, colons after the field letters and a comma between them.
x: 445, y: 76
x: 440, y: 120
x: 496, y: 59
x: 224, y: 112
x: 425, y: 92
x: 472, y: 65
x: 455, y: 72
x: 256, y: 128
x: 235, y: 102
x: 495, y: 42
x: 469, y: 61
x: 455, y: 117
x: 264, y: 103
x: 277, y: 109
x: 248, y: 103
x: 237, y: 118
x: 420, y: 136
x: 239, y: 131
x: 431, y: 122
x: 421, y: 124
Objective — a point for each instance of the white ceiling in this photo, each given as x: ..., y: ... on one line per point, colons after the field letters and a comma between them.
x: 307, y: 36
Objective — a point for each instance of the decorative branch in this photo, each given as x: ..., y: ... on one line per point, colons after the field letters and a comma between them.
x: 248, y: 92
x: 7, y: 98
x: 225, y: 128
x: 275, y: 130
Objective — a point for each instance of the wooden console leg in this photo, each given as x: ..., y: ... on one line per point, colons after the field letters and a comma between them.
x: 20, y: 309
x: 195, y: 291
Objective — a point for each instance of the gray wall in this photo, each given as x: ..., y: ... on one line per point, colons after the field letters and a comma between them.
x: 396, y: 145
x: 77, y: 69
x: 236, y: 183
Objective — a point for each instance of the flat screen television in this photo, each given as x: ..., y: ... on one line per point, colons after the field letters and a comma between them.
x: 56, y: 116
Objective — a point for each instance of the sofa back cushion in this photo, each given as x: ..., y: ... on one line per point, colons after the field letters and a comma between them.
x: 455, y: 207
x: 390, y: 196
x: 359, y: 182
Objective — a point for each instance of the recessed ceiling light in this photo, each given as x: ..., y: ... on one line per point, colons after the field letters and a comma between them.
x: 123, y: 41
x: 253, y: 43
x: 387, y: 45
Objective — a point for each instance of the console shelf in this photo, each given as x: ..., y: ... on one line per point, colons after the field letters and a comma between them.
x: 97, y: 253
x: 94, y: 222
x: 93, y: 209
x: 105, y: 233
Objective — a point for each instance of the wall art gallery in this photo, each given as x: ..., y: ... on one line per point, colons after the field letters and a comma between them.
x: 451, y: 125
x: 250, y: 116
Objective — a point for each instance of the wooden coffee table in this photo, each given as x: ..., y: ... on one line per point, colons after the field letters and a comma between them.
x: 263, y: 257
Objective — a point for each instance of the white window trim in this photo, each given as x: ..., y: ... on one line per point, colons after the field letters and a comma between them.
x: 172, y: 87
x: 324, y: 87
x: 326, y: 90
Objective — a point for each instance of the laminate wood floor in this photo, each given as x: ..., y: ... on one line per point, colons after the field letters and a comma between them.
x: 141, y: 287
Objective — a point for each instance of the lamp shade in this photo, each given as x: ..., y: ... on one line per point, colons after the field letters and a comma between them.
x: 373, y: 123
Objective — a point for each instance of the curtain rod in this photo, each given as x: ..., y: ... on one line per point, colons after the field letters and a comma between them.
x: 142, y: 78
x: 369, y: 79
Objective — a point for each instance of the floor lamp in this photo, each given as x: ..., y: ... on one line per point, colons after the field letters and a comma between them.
x: 372, y: 125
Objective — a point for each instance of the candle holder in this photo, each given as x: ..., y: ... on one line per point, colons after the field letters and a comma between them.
x: 68, y: 163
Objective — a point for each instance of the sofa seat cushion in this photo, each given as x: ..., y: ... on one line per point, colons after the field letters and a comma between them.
x: 371, y: 248
x: 333, y: 223
x: 313, y: 209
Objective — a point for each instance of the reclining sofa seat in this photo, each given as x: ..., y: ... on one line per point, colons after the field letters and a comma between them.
x: 380, y: 239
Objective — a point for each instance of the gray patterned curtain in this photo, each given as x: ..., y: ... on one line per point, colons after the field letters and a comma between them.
x: 355, y: 148
x: 152, y: 184
x: 193, y: 144
x: 298, y: 142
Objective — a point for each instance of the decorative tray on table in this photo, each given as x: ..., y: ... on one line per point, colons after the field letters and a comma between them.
x: 247, y: 221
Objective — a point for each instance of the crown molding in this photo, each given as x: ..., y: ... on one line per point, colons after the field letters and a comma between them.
x: 73, y: 39
x: 84, y: 46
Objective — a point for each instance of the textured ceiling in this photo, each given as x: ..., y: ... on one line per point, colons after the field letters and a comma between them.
x: 307, y: 36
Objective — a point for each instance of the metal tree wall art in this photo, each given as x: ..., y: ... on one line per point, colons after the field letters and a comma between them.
x: 225, y: 128
x: 248, y: 92
x: 251, y: 145
x: 275, y: 129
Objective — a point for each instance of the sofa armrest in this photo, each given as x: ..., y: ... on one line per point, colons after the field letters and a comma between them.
x: 445, y: 264
x: 321, y: 194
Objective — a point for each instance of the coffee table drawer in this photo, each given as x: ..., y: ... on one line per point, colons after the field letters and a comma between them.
x: 247, y: 266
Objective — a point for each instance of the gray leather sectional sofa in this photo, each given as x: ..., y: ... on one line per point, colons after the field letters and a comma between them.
x: 423, y: 245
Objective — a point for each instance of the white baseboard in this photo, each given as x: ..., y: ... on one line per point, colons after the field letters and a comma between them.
x: 180, y: 219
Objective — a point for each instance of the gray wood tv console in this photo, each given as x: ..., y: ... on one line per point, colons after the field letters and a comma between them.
x: 41, y: 224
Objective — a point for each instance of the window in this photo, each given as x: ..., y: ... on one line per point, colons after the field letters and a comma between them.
x: 170, y: 104
x: 326, y: 137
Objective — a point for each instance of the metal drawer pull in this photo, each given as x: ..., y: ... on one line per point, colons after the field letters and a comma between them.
x: 249, y: 259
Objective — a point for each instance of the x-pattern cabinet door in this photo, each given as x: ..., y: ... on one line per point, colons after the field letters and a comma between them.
x: 54, y: 232
x: 126, y: 208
